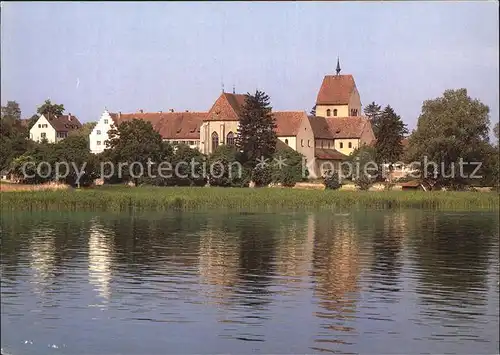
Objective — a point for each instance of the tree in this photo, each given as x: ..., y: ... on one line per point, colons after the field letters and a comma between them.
x: 48, y: 108
x: 373, y: 112
x: 451, y: 127
x: 225, y: 169
x: 84, y: 130
x: 11, y: 111
x: 14, y: 135
x: 331, y: 181
x: 134, y: 144
x: 496, y: 131
x: 256, y: 137
x: 188, y: 167
x: 313, y: 111
x: 391, y: 131
x: 361, y: 167
x: 83, y: 166
x: 290, y: 172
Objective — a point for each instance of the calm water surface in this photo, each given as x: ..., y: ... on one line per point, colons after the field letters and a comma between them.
x: 356, y: 282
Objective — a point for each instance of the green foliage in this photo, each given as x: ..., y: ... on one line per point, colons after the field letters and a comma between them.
x: 226, y: 170
x: 84, y: 130
x: 256, y: 133
x: 451, y: 127
x: 361, y: 167
x: 48, y: 108
x: 68, y: 161
x: 11, y: 111
x: 14, y: 136
x: 291, y: 172
x: 313, y: 111
x: 189, y: 164
x: 262, y: 175
x: 114, y: 198
x: 373, y: 113
x: 391, y: 130
x: 364, y: 181
x: 331, y: 181
x: 496, y: 132
x: 135, y: 144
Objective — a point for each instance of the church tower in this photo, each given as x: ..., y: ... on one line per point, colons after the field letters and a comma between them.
x: 338, y: 96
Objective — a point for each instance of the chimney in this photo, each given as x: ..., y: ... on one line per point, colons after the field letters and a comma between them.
x: 69, y: 116
x: 187, y: 110
x: 160, y: 111
x: 141, y: 110
x: 171, y: 110
x: 119, y: 114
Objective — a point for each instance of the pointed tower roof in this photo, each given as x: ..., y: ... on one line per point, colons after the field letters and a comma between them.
x: 338, y: 66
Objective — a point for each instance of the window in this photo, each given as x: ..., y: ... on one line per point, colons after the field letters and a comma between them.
x: 301, y: 142
x: 98, y: 132
x: 328, y: 144
x: 286, y: 141
x: 350, y: 145
x: 98, y: 142
x: 354, y: 112
x: 43, y: 135
x: 230, y: 138
x: 39, y: 125
x: 308, y: 143
x: 335, y: 112
x: 106, y: 121
x: 215, y: 140
x: 341, y: 145
x: 328, y: 112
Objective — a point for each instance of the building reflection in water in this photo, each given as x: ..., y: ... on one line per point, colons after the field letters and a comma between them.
x: 336, y: 262
x: 218, y: 264
x: 42, y: 249
x: 294, y: 253
x: 100, y: 245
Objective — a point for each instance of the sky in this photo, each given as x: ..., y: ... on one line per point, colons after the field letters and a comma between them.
x: 161, y: 55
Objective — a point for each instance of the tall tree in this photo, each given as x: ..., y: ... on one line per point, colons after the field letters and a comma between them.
x: 313, y: 111
x: 134, y: 141
x: 11, y: 111
x: 451, y: 127
x: 391, y: 131
x: 496, y: 131
x: 256, y: 133
x: 373, y: 112
x: 13, y: 135
x: 51, y: 109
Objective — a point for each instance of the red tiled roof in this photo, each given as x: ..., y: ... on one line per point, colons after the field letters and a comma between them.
x: 288, y: 122
x: 64, y: 123
x: 338, y: 127
x: 335, y: 90
x: 170, y: 125
x: 227, y: 107
x: 329, y: 154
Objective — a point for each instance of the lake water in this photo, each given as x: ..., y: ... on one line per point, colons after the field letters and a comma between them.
x: 374, y: 282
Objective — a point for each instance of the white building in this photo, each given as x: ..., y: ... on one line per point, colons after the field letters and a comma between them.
x: 54, y: 129
x: 99, y: 134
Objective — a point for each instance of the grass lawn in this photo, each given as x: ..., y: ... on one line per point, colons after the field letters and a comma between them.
x: 123, y: 198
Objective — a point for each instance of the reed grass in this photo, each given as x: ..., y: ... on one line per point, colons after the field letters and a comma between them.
x: 192, y: 198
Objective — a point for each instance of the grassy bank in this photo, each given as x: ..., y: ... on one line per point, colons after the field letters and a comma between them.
x: 158, y: 199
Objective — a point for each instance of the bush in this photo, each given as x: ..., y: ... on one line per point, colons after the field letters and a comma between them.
x: 331, y: 181
x: 290, y: 172
x: 226, y: 170
x: 262, y: 175
x: 364, y: 182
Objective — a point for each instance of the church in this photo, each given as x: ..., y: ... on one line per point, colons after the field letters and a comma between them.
x: 329, y: 136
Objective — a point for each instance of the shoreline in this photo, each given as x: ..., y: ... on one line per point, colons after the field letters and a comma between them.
x: 148, y: 198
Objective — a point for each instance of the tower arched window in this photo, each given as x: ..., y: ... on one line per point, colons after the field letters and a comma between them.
x: 215, y: 140
x: 230, y: 138
x: 335, y: 112
x: 286, y: 141
x: 328, y: 112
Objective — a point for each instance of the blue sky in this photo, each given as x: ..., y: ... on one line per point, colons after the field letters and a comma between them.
x: 156, y: 56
